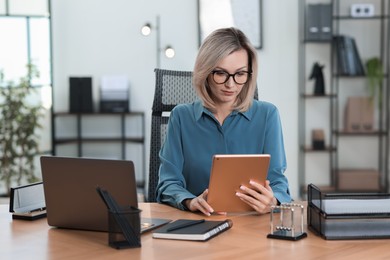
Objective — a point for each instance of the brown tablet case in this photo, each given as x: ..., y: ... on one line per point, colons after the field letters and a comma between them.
x: 228, y: 173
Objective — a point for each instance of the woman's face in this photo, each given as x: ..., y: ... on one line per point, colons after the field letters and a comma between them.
x: 235, y: 64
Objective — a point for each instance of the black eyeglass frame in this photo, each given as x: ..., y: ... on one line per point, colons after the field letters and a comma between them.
x: 231, y: 75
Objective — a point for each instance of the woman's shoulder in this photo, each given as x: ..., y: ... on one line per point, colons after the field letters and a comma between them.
x: 185, y: 108
x: 263, y: 105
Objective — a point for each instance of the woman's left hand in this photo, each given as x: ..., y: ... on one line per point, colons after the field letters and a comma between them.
x: 259, y: 197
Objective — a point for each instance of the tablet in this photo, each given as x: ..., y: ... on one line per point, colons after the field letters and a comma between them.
x: 228, y: 172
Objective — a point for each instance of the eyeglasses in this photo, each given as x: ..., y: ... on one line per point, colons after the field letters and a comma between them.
x: 221, y: 76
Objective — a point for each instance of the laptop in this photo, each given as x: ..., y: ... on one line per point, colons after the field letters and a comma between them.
x: 228, y: 172
x: 70, y: 191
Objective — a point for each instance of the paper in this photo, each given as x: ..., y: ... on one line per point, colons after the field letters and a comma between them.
x: 354, y: 206
x: 114, y: 83
x: 28, y: 198
x: 114, y: 88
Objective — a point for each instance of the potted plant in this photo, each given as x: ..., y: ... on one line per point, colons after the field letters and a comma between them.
x: 375, y: 76
x: 19, y: 121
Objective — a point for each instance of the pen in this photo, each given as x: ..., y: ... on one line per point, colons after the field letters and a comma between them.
x: 187, y: 224
x: 36, y: 210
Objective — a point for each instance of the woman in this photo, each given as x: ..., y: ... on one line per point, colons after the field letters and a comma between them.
x: 226, y: 120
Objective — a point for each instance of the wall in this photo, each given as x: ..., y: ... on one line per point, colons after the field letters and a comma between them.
x: 97, y: 38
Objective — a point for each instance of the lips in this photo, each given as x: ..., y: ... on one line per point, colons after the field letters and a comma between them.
x: 228, y: 93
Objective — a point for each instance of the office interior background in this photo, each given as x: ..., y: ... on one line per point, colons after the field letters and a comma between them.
x: 99, y: 39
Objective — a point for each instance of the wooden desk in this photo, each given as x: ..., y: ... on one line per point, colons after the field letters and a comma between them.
x: 246, y: 239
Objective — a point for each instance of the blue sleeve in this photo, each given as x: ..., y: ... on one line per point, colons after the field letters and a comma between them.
x: 171, y: 188
x: 274, y: 145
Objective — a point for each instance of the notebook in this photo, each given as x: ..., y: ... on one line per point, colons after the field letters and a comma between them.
x: 228, y: 173
x: 70, y: 191
x: 198, y: 230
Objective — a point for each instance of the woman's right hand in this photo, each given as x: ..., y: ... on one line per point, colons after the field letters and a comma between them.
x: 200, y: 204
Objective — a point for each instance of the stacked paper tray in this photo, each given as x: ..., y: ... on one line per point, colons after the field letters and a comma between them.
x: 348, y: 215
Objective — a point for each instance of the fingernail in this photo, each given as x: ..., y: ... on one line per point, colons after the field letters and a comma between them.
x: 251, y: 182
x: 242, y: 187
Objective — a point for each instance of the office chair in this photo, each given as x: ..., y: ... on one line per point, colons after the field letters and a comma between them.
x: 172, y: 88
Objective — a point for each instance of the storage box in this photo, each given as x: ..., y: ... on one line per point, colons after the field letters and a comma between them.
x: 359, y: 115
x: 358, y: 180
x: 337, y: 216
x: 318, y: 139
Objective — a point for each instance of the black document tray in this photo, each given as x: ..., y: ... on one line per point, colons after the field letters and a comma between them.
x: 341, y: 216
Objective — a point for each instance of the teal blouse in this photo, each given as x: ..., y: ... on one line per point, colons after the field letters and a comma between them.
x: 194, y: 135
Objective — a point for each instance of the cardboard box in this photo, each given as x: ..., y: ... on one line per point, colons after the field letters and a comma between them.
x: 358, y: 180
x: 318, y: 139
x: 359, y: 115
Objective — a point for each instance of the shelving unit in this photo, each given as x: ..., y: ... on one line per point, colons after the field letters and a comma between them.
x: 344, y: 151
x: 119, y: 134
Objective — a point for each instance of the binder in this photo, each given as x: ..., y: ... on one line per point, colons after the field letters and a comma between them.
x: 312, y: 22
x: 319, y: 22
x: 80, y: 95
x: 325, y: 18
x: 355, y: 66
x: 342, y: 68
x: 358, y: 62
x: 348, y: 57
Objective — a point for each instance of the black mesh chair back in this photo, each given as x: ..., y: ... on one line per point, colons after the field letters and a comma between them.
x: 172, y: 88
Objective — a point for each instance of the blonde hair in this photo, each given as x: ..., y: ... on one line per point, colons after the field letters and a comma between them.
x: 218, y: 45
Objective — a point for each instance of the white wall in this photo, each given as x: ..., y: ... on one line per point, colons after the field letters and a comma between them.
x: 98, y: 37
